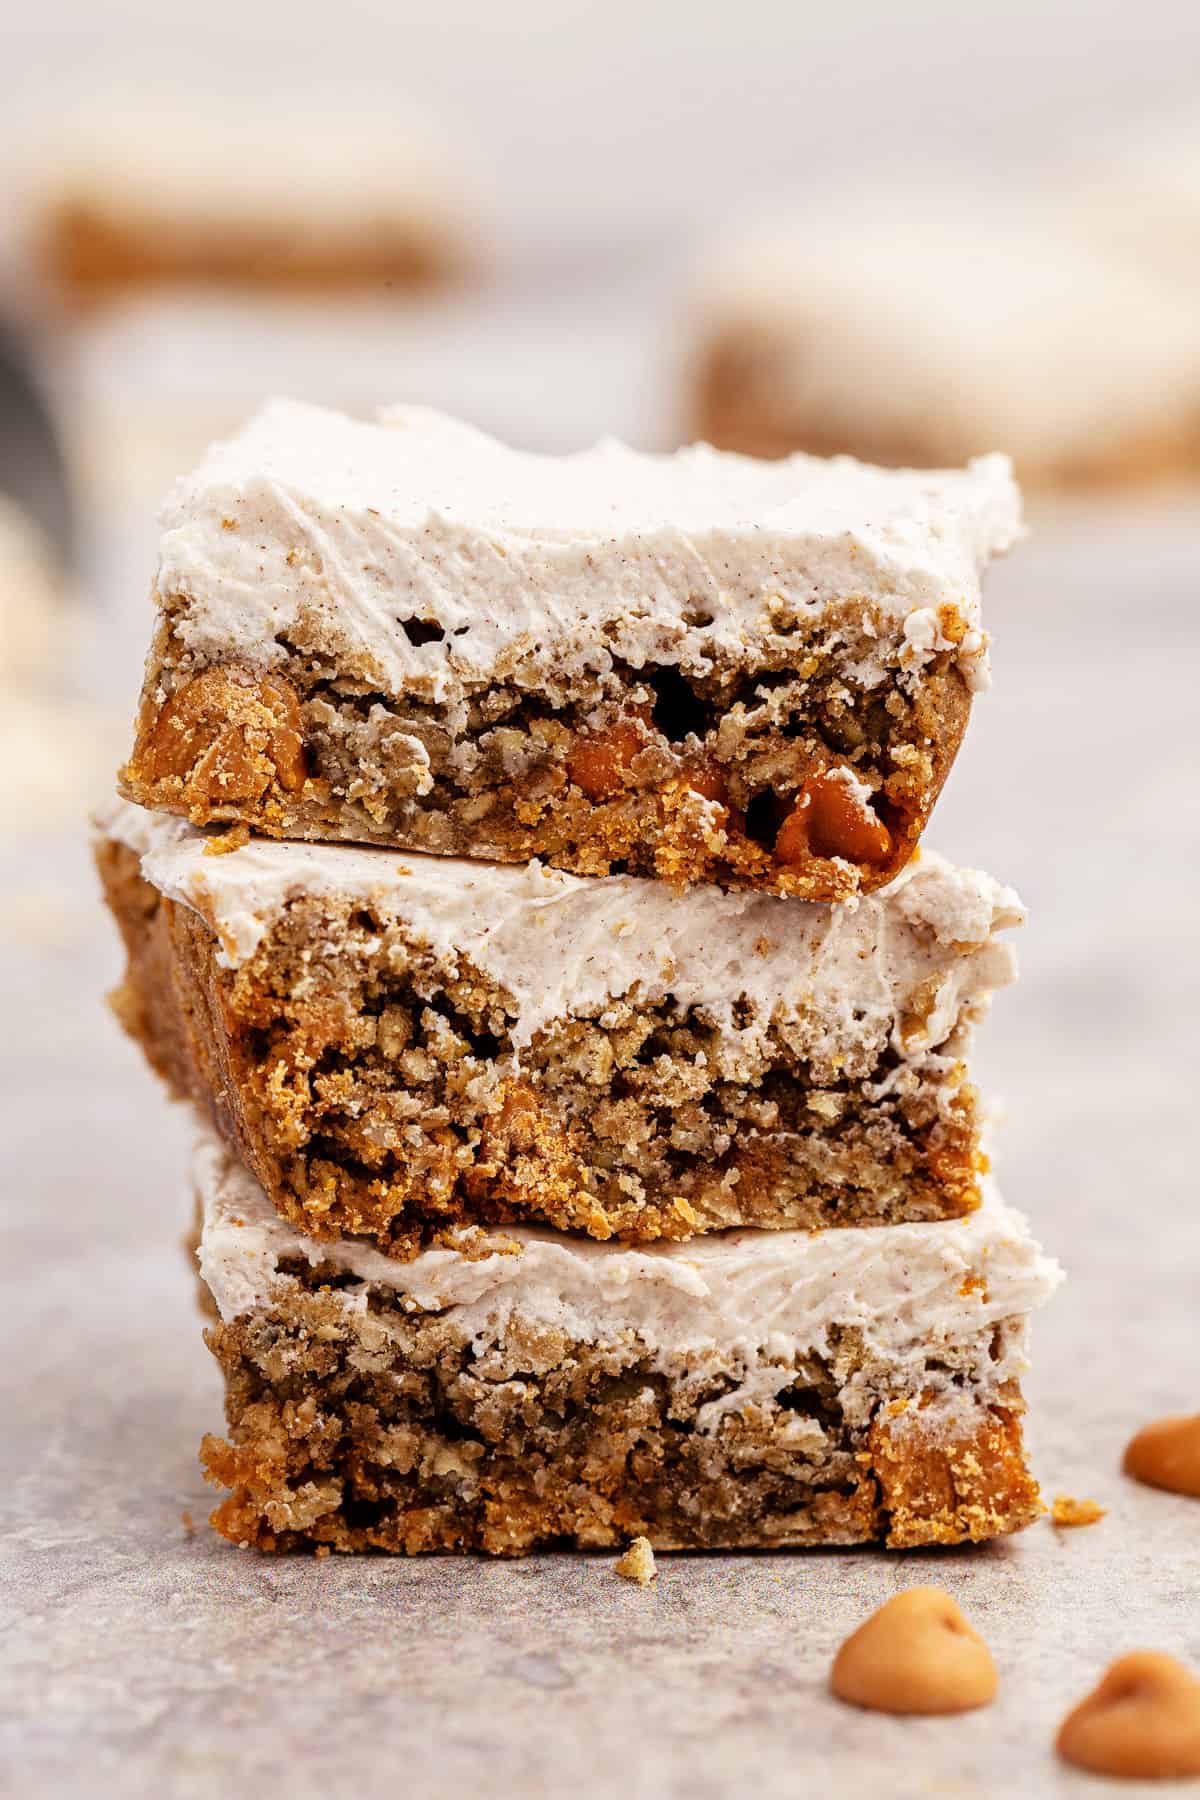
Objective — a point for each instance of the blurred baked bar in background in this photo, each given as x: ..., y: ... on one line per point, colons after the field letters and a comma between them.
x: 696, y: 667
x: 394, y: 1045
x: 508, y: 1390
x: 141, y: 196
x: 1141, y: 200
x: 925, y: 335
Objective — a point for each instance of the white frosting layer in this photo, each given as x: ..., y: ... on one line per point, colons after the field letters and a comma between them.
x: 312, y: 525
x: 562, y: 944
x: 756, y: 1299
x: 934, y: 325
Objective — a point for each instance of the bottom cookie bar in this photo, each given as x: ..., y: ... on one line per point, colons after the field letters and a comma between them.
x: 751, y: 1390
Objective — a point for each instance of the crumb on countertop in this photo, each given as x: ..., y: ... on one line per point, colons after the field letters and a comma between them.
x: 637, y: 1564
x: 1067, y: 1511
x: 236, y: 838
x: 187, y: 1521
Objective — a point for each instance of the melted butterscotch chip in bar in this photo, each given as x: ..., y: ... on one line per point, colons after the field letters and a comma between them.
x: 916, y: 1654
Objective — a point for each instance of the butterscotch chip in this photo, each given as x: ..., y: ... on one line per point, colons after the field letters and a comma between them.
x: 917, y: 1654
x: 597, y: 762
x: 637, y: 1564
x: 1067, y: 1511
x: 1167, y: 1455
x: 708, y: 780
x: 224, y: 738
x: 829, y: 819
x: 1142, y: 1720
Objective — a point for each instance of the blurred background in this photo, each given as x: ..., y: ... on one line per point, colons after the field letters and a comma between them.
x: 526, y: 212
x: 590, y: 159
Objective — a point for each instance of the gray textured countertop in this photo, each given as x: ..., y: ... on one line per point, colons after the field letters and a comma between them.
x: 144, y: 1659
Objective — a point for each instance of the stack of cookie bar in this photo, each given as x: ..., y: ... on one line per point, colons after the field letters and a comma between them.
x: 518, y: 866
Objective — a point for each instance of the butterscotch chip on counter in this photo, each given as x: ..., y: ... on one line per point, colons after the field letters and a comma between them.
x: 637, y: 1564
x: 917, y: 1654
x: 1067, y: 1512
x: 1142, y: 1721
x: 1166, y: 1455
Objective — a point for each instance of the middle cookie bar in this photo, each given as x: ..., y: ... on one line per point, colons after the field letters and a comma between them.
x: 395, y: 1043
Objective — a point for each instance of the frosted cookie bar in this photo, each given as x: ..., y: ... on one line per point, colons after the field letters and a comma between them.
x: 695, y: 667
x: 291, y: 200
x: 753, y: 1390
x: 922, y: 337
x: 394, y: 1044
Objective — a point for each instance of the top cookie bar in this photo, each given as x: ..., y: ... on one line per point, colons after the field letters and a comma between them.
x: 697, y: 667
